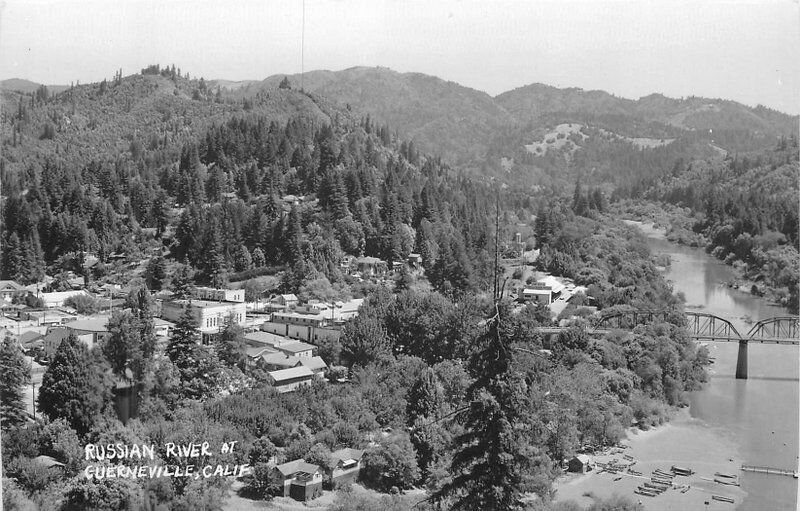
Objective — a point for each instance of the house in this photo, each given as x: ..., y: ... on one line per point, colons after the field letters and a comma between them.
x: 415, y: 260
x: 538, y: 293
x: 371, y: 266
x: 580, y: 463
x: 345, y: 466
x: 300, y: 480
x: 10, y: 289
x: 553, y: 283
x: 285, y: 345
x: 96, y: 327
x: 287, y: 380
x: 162, y: 327
x: 316, y: 364
x: 210, y: 316
x: 54, y: 336
x: 287, y: 301
x: 272, y: 361
x: 30, y: 340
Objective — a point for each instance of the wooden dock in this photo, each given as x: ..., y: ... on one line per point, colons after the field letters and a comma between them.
x: 769, y: 470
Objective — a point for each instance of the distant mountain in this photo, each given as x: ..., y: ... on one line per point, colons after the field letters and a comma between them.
x: 471, y: 128
x: 27, y: 86
x: 533, y: 134
x: 441, y: 117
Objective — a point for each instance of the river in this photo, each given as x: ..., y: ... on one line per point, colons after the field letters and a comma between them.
x: 761, y: 414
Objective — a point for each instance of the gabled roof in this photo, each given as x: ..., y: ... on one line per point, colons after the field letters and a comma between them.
x: 289, y: 374
x: 293, y: 467
x: 57, y: 334
x: 280, y: 359
x: 29, y: 337
x: 10, y: 284
x: 313, y: 363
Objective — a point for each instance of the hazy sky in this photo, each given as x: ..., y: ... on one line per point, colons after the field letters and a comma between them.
x: 748, y: 51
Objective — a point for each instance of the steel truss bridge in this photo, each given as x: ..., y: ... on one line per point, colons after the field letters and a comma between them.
x: 711, y: 328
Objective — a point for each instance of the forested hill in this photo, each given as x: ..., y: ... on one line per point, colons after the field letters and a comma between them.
x: 440, y: 117
x: 472, y: 129
x: 159, y: 161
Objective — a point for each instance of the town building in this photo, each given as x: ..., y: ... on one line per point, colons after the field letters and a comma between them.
x: 538, y: 294
x: 345, y: 467
x: 278, y: 343
x: 54, y: 336
x: 300, y: 480
x: 95, y: 327
x: 314, y: 322
x: 10, y: 289
x: 287, y: 380
x: 210, y: 316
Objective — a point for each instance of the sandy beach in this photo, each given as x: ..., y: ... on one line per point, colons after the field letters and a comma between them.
x: 685, y: 442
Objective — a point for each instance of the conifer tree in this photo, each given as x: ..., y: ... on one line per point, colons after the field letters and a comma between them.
x: 495, y: 462
x: 72, y: 388
x: 14, y: 375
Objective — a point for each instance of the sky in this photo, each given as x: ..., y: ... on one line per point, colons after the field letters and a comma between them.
x: 745, y: 50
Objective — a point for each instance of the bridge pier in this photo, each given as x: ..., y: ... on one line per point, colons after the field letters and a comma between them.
x: 741, y: 361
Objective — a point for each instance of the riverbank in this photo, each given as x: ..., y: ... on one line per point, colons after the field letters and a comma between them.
x: 684, y: 441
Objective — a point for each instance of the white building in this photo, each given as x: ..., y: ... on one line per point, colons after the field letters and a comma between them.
x: 210, y: 317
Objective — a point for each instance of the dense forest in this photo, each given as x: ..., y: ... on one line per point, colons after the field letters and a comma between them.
x: 742, y: 209
x: 169, y: 182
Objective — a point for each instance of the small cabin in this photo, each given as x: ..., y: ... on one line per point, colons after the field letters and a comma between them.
x: 580, y: 464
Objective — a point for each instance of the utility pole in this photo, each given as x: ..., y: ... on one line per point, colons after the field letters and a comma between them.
x: 495, y: 296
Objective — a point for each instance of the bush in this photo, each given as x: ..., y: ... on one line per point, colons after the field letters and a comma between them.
x: 84, y: 304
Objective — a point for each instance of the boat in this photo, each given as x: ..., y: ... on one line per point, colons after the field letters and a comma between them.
x: 730, y: 482
x: 618, y: 478
x: 723, y: 499
x: 682, y: 471
x: 722, y: 474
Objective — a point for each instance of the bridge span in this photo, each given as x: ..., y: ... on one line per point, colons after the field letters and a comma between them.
x: 704, y: 327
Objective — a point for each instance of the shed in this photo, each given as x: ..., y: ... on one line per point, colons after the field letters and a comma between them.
x: 580, y: 463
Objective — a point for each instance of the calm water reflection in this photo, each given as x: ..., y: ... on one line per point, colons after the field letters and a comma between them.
x: 761, y: 413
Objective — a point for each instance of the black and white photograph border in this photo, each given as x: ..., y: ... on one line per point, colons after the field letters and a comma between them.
x: 399, y: 255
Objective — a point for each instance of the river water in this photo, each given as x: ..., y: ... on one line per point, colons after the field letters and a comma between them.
x: 761, y: 414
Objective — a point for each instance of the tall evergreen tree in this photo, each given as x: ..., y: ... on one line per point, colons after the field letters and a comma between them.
x: 14, y: 375
x: 495, y: 463
x: 73, y: 388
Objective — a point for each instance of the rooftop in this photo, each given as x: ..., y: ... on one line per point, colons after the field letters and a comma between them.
x: 95, y: 324
x: 312, y: 362
x: 289, y: 374
x: 296, y: 466
x: 347, y: 454
x: 10, y: 284
x: 296, y: 347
